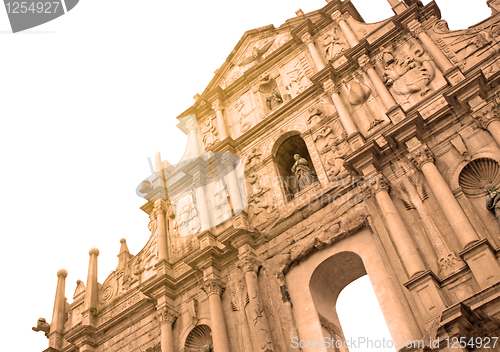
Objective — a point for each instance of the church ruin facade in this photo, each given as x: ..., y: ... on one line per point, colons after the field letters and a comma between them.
x: 323, y: 150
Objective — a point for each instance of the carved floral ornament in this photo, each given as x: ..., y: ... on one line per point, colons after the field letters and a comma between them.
x: 375, y: 184
x: 248, y: 263
x: 167, y: 315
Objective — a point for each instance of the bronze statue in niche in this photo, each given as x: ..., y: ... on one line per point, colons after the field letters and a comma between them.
x: 492, y: 201
x: 304, y: 175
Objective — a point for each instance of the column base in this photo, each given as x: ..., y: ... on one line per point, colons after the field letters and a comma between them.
x: 427, y: 291
x: 396, y: 114
x: 454, y: 76
x: 480, y: 258
x: 356, y: 141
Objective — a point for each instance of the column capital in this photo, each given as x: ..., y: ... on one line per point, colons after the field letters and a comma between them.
x: 486, y: 115
x: 160, y: 207
x: 415, y: 28
x: 191, y: 124
x: 167, y: 315
x: 420, y: 156
x: 330, y: 87
x: 248, y: 263
x: 199, y: 179
x: 213, y: 286
x: 217, y: 105
x: 377, y: 183
x: 338, y: 16
x: 306, y: 38
x: 365, y: 62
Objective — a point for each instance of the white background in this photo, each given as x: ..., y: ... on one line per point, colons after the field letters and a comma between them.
x: 84, y: 100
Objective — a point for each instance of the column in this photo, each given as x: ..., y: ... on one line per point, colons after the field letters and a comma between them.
x: 161, y: 233
x: 168, y: 317
x: 232, y: 183
x: 317, y: 58
x: 439, y: 58
x: 403, y: 242
x: 57, y: 324
x: 214, y: 289
x: 488, y: 118
x: 91, y: 299
x: 383, y: 92
x: 221, y: 124
x: 193, y: 136
x: 422, y: 158
x: 201, y: 200
x: 344, y: 116
x: 249, y: 265
x: 349, y: 35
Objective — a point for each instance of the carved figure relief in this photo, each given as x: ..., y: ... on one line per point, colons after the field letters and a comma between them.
x: 407, y: 76
x: 42, y: 325
x: 303, y: 174
x: 261, y: 209
x: 331, y: 142
x: 492, y: 201
x: 209, y: 132
x: 253, y: 158
x: 332, y: 44
x: 257, y: 53
x: 269, y: 92
x: 466, y: 47
x: 242, y: 114
x: 239, y: 302
x: 188, y: 221
x: 297, y: 80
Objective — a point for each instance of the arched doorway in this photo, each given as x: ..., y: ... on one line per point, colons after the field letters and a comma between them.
x: 199, y: 340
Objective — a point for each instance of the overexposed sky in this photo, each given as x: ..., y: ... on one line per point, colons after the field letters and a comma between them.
x: 85, y: 99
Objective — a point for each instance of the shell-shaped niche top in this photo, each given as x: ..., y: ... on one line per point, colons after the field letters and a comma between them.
x: 477, y: 174
x: 358, y: 93
x: 199, y: 340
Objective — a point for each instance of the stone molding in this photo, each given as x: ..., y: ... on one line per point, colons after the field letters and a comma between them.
x: 213, y: 286
x: 486, y: 115
x: 421, y: 156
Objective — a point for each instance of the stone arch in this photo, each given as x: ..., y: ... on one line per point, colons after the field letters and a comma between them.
x: 297, y: 128
x: 350, y: 258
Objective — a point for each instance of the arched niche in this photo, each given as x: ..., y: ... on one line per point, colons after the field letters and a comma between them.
x: 284, y: 151
x: 314, y: 286
x: 199, y: 339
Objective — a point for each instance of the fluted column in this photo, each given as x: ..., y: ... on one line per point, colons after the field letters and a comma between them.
x: 383, y: 92
x: 344, y: 116
x: 487, y: 117
x: 57, y: 324
x: 249, y: 265
x: 167, y: 317
x: 221, y: 124
x: 214, y: 289
x: 201, y: 200
x: 423, y: 159
x: 317, y: 58
x: 440, y: 59
x: 403, y: 242
x: 161, y: 232
x: 349, y: 35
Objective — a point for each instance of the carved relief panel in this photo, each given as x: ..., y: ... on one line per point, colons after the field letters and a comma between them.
x: 408, y: 71
x: 256, y: 50
x: 261, y: 209
x: 242, y: 114
x: 295, y: 77
x: 465, y: 48
x: 332, y: 43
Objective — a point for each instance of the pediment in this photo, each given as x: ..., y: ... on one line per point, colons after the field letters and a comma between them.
x: 252, y: 49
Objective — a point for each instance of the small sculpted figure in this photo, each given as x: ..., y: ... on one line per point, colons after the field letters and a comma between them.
x: 304, y: 175
x: 42, y: 325
x: 493, y: 201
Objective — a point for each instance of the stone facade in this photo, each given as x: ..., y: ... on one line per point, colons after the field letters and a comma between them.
x: 397, y: 129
